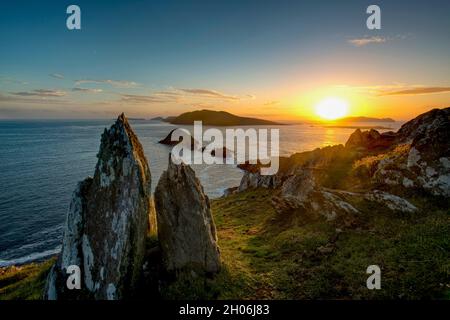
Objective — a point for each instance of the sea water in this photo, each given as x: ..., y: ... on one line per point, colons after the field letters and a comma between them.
x: 41, y: 162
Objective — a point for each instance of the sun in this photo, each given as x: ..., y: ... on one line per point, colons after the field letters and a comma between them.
x: 332, y: 108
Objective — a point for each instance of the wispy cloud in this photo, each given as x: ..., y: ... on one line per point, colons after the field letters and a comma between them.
x: 45, y: 93
x: 415, y: 91
x: 211, y: 94
x: 132, y: 98
x: 114, y: 83
x: 11, y: 80
x: 360, y: 42
x: 168, y: 93
x: 87, y: 90
x: 272, y: 103
x: 398, y: 89
x: 29, y: 99
x: 56, y: 75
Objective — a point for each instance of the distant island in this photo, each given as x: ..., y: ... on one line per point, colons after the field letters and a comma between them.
x: 357, y: 127
x: 363, y: 119
x: 137, y: 119
x: 216, y: 118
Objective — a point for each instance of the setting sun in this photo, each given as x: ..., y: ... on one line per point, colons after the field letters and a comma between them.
x: 332, y: 108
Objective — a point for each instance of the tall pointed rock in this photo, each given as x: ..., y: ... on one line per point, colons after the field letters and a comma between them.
x: 107, y: 221
x: 186, y: 229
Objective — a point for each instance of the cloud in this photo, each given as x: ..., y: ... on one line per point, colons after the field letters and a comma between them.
x: 24, y: 99
x: 56, y: 75
x: 11, y: 80
x: 271, y: 103
x: 114, y: 83
x: 180, y: 95
x: 398, y: 89
x: 87, y: 90
x: 210, y: 94
x: 168, y: 93
x: 415, y: 91
x: 360, y: 42
x: 44, y: 93
x: 132, y: 98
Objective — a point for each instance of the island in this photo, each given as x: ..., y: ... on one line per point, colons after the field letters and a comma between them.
x: 364, y: 119
x: 217, y: 118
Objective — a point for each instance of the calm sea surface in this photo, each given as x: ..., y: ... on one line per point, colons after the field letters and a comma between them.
x: 41, y: 162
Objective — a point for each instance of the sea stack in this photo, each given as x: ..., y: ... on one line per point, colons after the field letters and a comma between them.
x: 186, y: 229
x: 107, y: 222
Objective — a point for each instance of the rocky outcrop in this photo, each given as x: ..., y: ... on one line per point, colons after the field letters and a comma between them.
x: 301, y: 193
x: 172, y: 142
x: 221, y: 152
x: 421, y: 159
x: 321, y: 162
x: 186, y: 229
x: 415, y: 157
x: 373, y: 167
x: 107, y: 222
x: 370, y: 140
x: 252, y: 180
x: 391, y: 201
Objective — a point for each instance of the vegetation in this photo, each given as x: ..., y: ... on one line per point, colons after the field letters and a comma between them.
x: 269, y: 256
x: 24, y: 282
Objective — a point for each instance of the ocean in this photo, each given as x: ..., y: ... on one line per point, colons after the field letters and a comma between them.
x: 41, y: 162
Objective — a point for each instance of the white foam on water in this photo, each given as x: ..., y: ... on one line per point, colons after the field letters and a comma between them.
x: 30, y: 257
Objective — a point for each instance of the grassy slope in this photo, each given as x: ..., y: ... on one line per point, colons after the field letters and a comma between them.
x: 268, y: 256
x: 25, y: 282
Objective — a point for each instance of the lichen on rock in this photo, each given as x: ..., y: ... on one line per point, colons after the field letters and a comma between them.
x: 186, y: 228
x: 107, y: 221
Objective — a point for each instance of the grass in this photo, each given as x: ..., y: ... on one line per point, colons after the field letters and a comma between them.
x: 24, y: 282
x: 267, y: 255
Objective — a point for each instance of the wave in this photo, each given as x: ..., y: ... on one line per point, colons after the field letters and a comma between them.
x: 35, y: 256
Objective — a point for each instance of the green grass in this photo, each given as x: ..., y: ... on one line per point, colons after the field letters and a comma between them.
x: 24, y: 282
x: 268, y: 256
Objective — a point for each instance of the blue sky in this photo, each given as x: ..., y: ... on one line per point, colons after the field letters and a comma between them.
x: 163, y: 57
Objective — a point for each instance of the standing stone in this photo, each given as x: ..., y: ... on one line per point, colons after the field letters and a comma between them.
x: 186, y: 229
x: 107, y: 222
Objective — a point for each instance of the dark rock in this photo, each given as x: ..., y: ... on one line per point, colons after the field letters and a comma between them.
x: 225, y: 153
x: 169, y: 142
x: 230, y: 191
x: 421, y: 158
x: 107, y: 221
x: 415, y: 157
x: 301, y: 193
x: 370, y: 140
x: 186, y: 228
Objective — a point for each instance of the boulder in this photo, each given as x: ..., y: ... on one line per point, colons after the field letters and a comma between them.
x: 169, y: 142
x: 186, y: 229
x: 391, y: 201
x: 370, y: 140
x: 421, y: 158
x: 300, y: 192
x: 107, y: 222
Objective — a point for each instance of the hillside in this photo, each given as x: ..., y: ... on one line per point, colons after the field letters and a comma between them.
x: 218, y: 118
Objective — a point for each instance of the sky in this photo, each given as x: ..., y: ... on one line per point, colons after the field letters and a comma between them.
x: 270, y: 59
